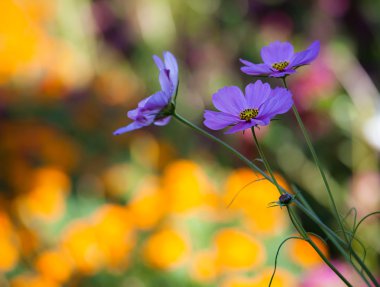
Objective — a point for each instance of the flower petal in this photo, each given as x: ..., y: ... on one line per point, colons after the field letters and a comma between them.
x: 128, y: 128
x: 241, y: 126
x: 157, y: 101
x: 218, y: 120
x: 256, y: 69
x: 229, y: 100
x: 160, y: 65
x: 277, y: 52
x: 166, y: 84
x: 287, y: 71
x: 163, y: 121
x: 256, y: 94
x: 307, y: 56
x: 172, y: 66
x: 280, y: 101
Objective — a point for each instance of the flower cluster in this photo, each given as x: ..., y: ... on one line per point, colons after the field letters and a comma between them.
x: 238, y: 111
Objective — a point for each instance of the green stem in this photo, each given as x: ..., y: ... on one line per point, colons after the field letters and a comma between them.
x: 266, y: 163
x: 340, y: 245
x: 304, y: 234
x: 316, y: 160
x: 222, y: 143
x: 256, y: 168
x: 293, y: 217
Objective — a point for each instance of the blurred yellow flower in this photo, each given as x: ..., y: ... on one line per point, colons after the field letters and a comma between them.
x: 9, y: 253
x: 114, y: 234
x: 46, y: 198
x: 303, y: 254
x: 55, y: 265
x: 9, y: 246
x: 32, y: 281
x: 282, y: 279
x: 185, y: 186
x: 204, y: 268
x: 19, y: 38
x: 166, y: 249
x: 81, y: 244
x: 148, y: 207
x: 252, y: 198
x: 237, y: 250
x: 29, y: 241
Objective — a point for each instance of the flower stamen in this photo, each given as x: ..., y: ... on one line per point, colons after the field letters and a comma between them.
x: 248, y: 114
x: 280, y: 66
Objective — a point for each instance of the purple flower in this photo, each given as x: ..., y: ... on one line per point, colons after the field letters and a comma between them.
x: 259, y: 105
x: 157, y: 108
x: 280, y: 60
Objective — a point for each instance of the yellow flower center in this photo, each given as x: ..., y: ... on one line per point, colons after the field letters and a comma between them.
x: 249, y: 114
x: 280, y: 66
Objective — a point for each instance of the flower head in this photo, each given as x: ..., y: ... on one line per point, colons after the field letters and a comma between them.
x: 259, y: 105
x: 280, y: 60
x: 157, y: 108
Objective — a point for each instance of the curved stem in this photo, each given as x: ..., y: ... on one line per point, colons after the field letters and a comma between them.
x: 316, y: 160
x: 340, y: 245
x: 304, y: 234
x: 310, y: 214
x: 293, y: 217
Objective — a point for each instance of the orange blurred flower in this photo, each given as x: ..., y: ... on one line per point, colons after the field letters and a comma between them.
x: 9, y: 253
x: 55, y: 265
x: 148, y: 207
x: 252, y: 198
x: 19, y: 38
x: 204, y: 268
x: 114, y: 234
x: 237, y: 250
x: 186, y: 186
x: 32, y: 281
x: 282, y: 279
x: 166, y: 249
x: 303, y: 254
x: 81, y: 244
x: 46, y: 198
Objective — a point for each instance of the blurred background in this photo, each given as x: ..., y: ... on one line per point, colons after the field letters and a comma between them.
x: 81, y: 207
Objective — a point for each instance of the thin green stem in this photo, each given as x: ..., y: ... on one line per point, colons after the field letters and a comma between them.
x: 304, y: 234
x: 333, y: 237
x: 222, y: 143
x: 316, y: 160
x: 293, y: 217
x: 266, y: 163
x: 340, y: 245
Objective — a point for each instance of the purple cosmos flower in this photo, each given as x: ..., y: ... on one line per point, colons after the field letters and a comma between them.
x: 157, y: 108
x: 259, y: 105
x: 280, y: 60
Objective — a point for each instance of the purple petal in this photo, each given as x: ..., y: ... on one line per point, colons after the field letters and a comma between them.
x: 287, y: 71
x: 277, y: 52
x: 166, y: 84
x: 160, y: 65
x: 280, y: 102
x: 133, y: 114
x: 229, y: 100
x: 218, y: 120
x: 307, y: 56
x: 256, y: 69
x: 257, y: 93
x: 128, y: 128
x: 172, y: 66
x: 162, y: 122
x: 157, y: 101
x: 241, y: 126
